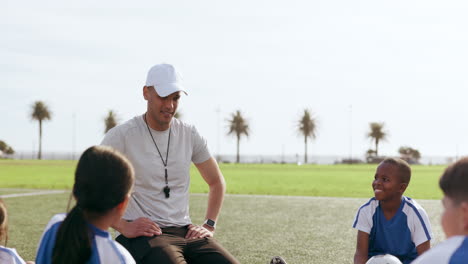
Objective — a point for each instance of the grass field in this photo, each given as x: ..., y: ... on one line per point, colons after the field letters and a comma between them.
x: 253, y: 228
x: 272, y: 179
x: 276, y: 210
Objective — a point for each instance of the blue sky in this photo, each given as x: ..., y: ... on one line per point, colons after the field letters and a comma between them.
x: 403, y: 63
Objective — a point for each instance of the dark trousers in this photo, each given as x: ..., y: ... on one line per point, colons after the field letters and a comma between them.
x: 171, y: 247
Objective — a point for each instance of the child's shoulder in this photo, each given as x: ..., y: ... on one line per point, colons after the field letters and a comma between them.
x: 53, y: 224
x: 56, y: 219
x: 9, y: 255
x: 412, y: 203
x: 372, y: 203
x: 368, y: 208
x: 444, y: 252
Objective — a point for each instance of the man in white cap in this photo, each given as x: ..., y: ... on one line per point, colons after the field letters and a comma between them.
x: 156, y: 227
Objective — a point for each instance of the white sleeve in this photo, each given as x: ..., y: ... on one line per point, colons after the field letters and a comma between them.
x: 126, y: 255
x: 200, y: 148
x: 10, y: 256
x: 441, y: 253
x: 421, y: 227
x: 114, y: 139
x: 363, y: 219
x: 418, y: 223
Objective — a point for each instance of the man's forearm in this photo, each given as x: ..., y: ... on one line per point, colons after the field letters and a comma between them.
x: 119, y: 225
x: 215, y: 200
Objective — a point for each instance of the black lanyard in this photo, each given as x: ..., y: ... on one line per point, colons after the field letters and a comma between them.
x: 167, y: 190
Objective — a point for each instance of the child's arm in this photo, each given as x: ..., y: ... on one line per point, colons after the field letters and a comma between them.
x: 423, y: 247
x: 362, y: 247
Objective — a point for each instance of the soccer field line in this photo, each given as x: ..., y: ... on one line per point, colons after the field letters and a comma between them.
x: 45, y: 192
x: 300, y: 197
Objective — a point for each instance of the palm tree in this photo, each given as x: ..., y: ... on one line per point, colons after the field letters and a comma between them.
x: 178, y: 115
x: 3, y: 145
x: 8, y: 150
x: 377, y: 134
x: 307, y: 127
x: 110, y: 121
x: 238, y: 126
x: 40, y: 112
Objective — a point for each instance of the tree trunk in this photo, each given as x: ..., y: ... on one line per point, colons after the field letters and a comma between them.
x: 238, y: 143
x: 376, y: 147
x: 39, y: 153
x: 305, y: 150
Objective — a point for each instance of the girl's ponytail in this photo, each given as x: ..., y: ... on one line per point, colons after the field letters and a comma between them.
x: 73, y: 244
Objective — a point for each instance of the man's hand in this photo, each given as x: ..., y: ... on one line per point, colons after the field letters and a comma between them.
x: 195, y: 231
x: 140, y: 227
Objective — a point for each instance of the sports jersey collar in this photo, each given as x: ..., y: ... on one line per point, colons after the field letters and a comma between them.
x: 397, y: 214
x: 98, y: 232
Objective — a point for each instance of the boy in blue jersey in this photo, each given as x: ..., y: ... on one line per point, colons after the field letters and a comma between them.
x: 454, y: 250
x: 390, y: 223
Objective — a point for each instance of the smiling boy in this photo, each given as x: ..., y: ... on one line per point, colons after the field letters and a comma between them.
x: 390, y: 223
x: 454, y: 250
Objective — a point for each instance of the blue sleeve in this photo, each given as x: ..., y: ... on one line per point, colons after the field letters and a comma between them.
x: 46, y: 246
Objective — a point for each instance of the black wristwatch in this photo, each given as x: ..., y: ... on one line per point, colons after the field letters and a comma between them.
x: 210, y: 223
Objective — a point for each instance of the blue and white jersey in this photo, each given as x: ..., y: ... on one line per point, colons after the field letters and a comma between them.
x: 10, y: 256
x: 400, y: 235
x: 452, y: 251
x: 103, y: 248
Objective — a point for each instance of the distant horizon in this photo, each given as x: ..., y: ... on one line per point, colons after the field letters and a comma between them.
x: 249, y: 158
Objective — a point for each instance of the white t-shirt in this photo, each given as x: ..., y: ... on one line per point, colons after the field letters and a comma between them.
x: 148, y: 199
x: 10, y: 256
x: 451, y: 251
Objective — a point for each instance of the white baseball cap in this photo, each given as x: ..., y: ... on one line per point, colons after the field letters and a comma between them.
x: 165, y: 79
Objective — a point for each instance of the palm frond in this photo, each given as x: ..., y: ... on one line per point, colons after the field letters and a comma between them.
x: 40, y: 111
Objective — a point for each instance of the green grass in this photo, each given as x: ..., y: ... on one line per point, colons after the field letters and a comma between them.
x: 274, y: 179
x: 253, y: 229
x: 321, y: 180
x: 39, y: 174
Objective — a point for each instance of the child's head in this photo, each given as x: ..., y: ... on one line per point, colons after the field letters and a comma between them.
x: 103, y: 180
x: 454, y: 184
x: 3, y: 222
x: 391, y: 179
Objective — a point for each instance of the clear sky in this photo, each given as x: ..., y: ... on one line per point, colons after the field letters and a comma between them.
x: 403, y: 63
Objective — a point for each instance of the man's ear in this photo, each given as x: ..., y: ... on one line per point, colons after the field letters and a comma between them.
x: 145, y: 92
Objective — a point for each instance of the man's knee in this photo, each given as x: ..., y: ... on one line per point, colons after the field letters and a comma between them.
x: 163, y: 252
x: 209, y: 250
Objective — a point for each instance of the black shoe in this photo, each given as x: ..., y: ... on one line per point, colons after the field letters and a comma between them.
x: 278, y: 260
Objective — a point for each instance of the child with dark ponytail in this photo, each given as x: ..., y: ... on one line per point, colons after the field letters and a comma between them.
x: 103, y: 181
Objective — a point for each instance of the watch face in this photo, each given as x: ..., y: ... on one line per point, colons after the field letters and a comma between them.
x: 210, y: 222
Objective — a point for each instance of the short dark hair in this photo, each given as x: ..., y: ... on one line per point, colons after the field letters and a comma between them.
x: 403, y: 168
x: 454, y: 181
